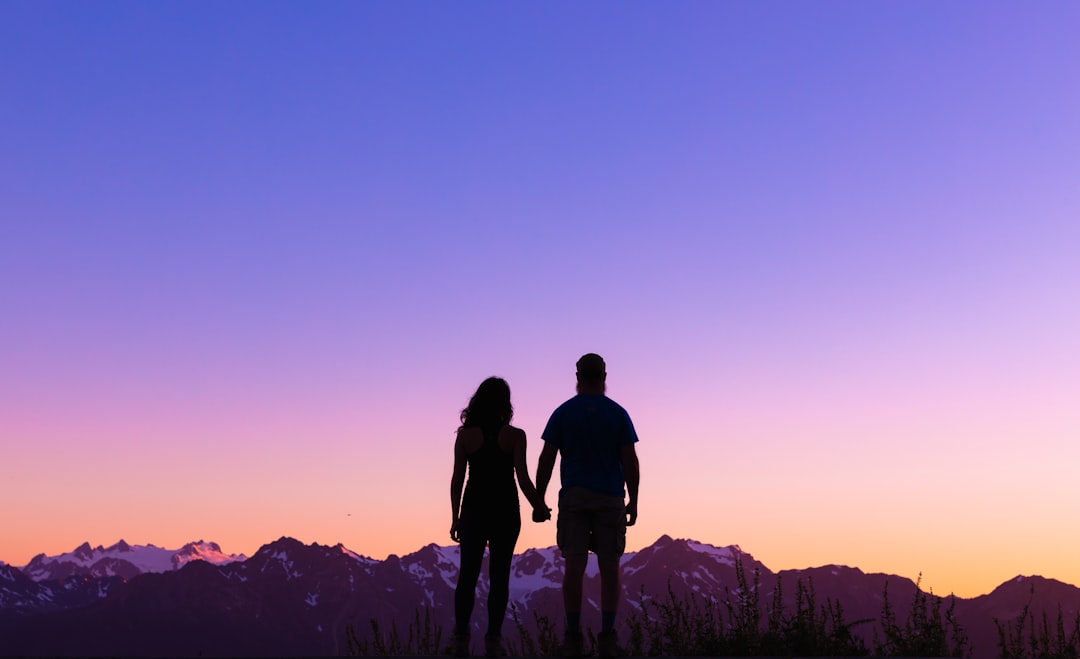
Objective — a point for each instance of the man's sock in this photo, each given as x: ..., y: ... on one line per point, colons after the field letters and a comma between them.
x: 607, y: 621
x: 573, y: 623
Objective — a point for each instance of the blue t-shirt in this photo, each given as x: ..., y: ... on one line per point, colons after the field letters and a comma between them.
x: 590, y: 430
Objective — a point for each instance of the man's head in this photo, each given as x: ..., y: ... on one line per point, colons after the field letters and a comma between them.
x: 591, y: 374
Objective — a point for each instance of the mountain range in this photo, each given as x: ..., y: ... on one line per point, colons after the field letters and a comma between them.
x: 123, y: 560
x: 295, y: 599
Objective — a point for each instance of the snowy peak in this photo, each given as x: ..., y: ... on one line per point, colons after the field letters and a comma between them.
x: 83, y: 552
x: 433, y: 555
x: 284, y: 543
x: 16, y: 589
x: 689, y: 551
x: 687, y: 564
x: 8, y: 573
x: 725, y: 555
x: 293, y: 559
x: 120, y: 548
x: 290, y: 550
x: 538, y: 561
x: 434, y: 569
x: 123, y: 560
x: 1020, y: 588
x: 203, y: 551
x: 359, y: 558
x: 535, y: 570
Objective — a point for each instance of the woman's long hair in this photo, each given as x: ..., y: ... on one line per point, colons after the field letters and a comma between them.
x: 490, y: 405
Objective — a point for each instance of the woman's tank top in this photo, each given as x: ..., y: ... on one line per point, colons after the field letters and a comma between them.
x: 491, y: 486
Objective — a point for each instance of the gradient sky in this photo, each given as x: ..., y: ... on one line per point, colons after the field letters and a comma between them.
x: 255, y: 257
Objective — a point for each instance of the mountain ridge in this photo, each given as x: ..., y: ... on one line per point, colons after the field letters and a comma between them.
x: 296, y: 598
x: 211, y: 551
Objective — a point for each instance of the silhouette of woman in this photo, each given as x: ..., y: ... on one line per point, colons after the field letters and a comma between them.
x: 489, y: 513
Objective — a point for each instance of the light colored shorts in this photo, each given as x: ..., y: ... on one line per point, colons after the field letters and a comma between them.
x: 591, y: 522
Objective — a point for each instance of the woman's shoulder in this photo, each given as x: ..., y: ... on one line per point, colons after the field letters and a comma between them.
x: 470, y: 438
x: 510, y: 437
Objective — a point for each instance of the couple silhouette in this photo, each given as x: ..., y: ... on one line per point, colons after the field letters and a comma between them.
x: 598, y: 468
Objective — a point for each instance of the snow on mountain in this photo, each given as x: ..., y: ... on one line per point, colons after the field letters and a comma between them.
x: 359, y: 558
x: 22, y: 595
x: 445, y: 563
x: 16, y: 589
x: 124, y: 560
x: 204, y: 551
x: 5, y: 573
x: 537, y: 571
x: 434, y: 569
x: 722, y: 555
x: 534, y: 570
x: 304, y: 596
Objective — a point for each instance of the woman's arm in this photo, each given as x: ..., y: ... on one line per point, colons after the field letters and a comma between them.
x: 457, y: 484
x: 540, y: 510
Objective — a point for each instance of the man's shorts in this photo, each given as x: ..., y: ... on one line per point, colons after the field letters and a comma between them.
x: 591, y: 522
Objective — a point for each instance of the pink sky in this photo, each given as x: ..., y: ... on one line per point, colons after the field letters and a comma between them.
x: 254, y: 264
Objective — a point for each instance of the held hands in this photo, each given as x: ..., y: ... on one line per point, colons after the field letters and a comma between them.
x: 541, y: 513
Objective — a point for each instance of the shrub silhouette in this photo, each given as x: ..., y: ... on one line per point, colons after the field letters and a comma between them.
x: 925, y: 633
x: 736, y: 624
x: 1042, y: 641
x: 688, y: 625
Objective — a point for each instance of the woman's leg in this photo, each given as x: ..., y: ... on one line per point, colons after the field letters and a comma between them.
x: 472, y: 555
x: 502, y: 545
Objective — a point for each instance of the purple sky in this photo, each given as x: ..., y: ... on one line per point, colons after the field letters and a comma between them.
x: 255, y: 257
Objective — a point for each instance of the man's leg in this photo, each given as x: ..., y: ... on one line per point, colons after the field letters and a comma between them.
x: 573, y: 579
x: 607, y: 643
x: 609, y: 590
x: 610, y: 544
x: 573, y: 537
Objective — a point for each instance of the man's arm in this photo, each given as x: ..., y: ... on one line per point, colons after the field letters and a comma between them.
x: 545, y: 467
x: 632, y: 472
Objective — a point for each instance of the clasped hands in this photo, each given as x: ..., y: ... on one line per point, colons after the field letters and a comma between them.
x: 541, y: 513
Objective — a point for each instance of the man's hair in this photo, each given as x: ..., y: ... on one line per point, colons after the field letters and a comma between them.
x: 591, y: 368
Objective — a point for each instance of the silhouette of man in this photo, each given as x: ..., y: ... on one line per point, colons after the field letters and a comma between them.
x: 596, y: 438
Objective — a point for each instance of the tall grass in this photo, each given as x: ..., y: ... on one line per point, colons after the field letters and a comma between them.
x: 422, y: 637
x: 737, y: 623
x: 925, y: 633
x: 1032, y: 637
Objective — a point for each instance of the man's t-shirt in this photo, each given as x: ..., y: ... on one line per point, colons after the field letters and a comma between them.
x: 590, y: 430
